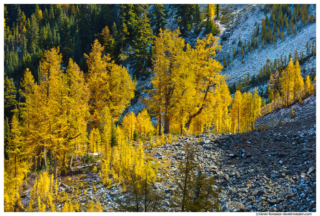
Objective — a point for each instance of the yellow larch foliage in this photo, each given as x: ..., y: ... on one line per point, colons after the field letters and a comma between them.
x: 287, y: 83
x: 158, y: 141
x: 77, y: 111
x: 109, y: 84
x: 256, y: 106
x: 105, y: 172
x: 43, y: 207
x: 107, y: 39
x: 291, y: 84
x: 198, y: 124
x: 76, y: 206
x: 235, y: 112
x: 30, y: 206
x: 40, y: 14
x: 212, y: 9
x: 129, y: 124
x: 106, y: 121
x: 92, y: 140
x: 163, y: 139
x: 169, y: 47
x: 226, y: 100
x: 298, y: 82
x: 98, y: 206
x: 65, y: 207
x: 170, y: 138
x: 43, y: 192
x: 71, y: 208
x: 91, y: 206
x: 50, y: 98
x: 94, y: 169
x: 144, y: 123
x: 97, y: 80
x: 16, y: 167
x: 308, y: 87
x: 53, y: 207
x: 98, y: 141
x: 183, y: 79
x: 245, y: 109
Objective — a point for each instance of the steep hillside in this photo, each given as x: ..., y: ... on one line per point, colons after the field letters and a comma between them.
x: 243, y: 22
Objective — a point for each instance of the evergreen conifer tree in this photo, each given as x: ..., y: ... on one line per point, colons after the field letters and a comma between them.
x: 158, y: 18
x: 141, y: 44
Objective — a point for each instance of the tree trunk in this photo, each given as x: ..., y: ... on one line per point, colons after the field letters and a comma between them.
x: 201, y: 108
x: 44, y: 159
x: 34, y: 163
x: 55, y: 167
x: 70, y: 163
x: 160, y: 125
x: 50, y: 157
x: 39, y: 161
x: 166, y: 125
x: 111, y: 158
x: 63, y: 168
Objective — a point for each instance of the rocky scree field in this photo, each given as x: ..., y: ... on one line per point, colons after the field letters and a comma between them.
x: 273, y: 170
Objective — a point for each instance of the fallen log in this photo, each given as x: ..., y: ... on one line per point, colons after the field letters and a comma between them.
x: 85, y: 166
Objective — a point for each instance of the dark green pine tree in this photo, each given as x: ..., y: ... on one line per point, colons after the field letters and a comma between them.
x: 197, y: 14
x: 84, y: 27
x: 10, y: 94
x: 37, y: 12
x: 114, y: 31
x: 49, y: 37
x: 43, y: 39
x: 129, y: 21
x: 60, y: 17
x: 94, y: 19
x: 20, y: 16
x: 184, y: 16
x: 45, y: 16
x: 141, y: 47
x: 210, y: 28
x: 108, y: 16
x: 158, y: 18
x: 217, y: 11
x: 51, y: 14
x: 67, y: 44
x: 77, y: 49
x: 117, y: 43
x: 58, y: 39
x: 33, y: 34
x: 26, y: 59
